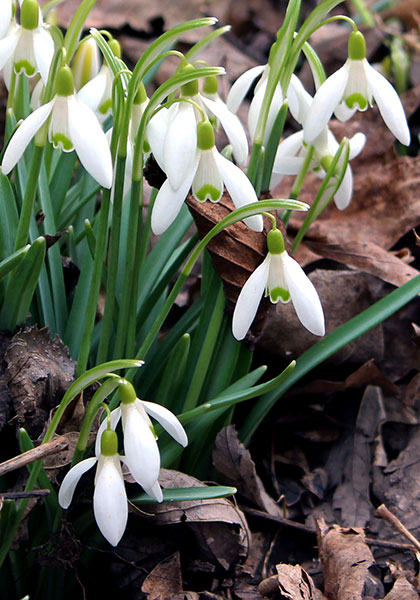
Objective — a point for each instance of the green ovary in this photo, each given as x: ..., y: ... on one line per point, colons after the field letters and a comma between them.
x: 279, y: 293
x: 208, y: 192
x: 26, y: 67
x: 357, y: 99
x: 59, y: 140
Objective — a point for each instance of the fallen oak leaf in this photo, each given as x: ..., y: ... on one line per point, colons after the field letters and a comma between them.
x: 367, y: 257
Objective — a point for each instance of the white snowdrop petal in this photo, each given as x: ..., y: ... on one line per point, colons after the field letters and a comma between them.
x: 168, y: 421
x: 299, y: 99
x: 325, y: 100
x: 23, y: 135
x: 249, y: 299
x: 389, y: 104
x: 140, y: 447
x: 44, y: 52
x: 93, y: 91
x: 304, y: 296
x: 110, y: 499
x: 155, y: 134
x: 155, y: 492
x: 241, y: 86
x: 7, y: 47
x: 356, y: 143
x: 343, y: 195
x: 5, y: 17
x: 255, y: 108
x: 180, y: 145
x: 70, y: 481
x: 168, y: 203
x: 290, y: 146
x: 240, y: 189
x: 90, y: 142
x: 233, y: 128
x: 115, y: 417
x: 343, y: 112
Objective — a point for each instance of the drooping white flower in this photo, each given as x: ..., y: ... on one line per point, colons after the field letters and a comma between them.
x: 140, y: 448
x: 109, y: 498
x: 86, y: 63
x: 28, y: 47
x: 97, y: 93
x: 292, y: 151
x: 281, y: 278
x: 354, y: 87
x: 206, y: 175
x: 72, y: 126
x: 172, y: 133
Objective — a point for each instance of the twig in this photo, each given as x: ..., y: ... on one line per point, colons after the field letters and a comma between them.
x: 311, y: 530
x: 19, y: 495
x: 384, y: 513
x: 53, y: 447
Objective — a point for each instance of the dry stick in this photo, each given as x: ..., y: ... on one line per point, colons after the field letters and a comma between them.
x: 384, y: 513
x: 53, y: 447
x: 311, y: 530
x: 19, y: 495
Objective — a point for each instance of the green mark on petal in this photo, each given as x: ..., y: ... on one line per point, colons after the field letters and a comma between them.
x: 105, y: 107
x: 23, y: 66
x: 279, y: 293
x: 208, y: 192
x: 62, y: 142
x: 357, y: 100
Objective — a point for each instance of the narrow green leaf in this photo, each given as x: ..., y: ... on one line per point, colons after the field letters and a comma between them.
x: 188, y: 494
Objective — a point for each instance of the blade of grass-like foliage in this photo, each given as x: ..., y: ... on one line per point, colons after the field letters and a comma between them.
x: 8, y: 217
x: 60, y: 180
x: 172, y: 376
x: 54, y: 262
x: 188, y: 494
x: 21, y: 286
x: 213, y: 320
x: 343, y: 335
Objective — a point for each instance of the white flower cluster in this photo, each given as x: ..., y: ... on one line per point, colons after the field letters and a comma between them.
x: 141, y: 456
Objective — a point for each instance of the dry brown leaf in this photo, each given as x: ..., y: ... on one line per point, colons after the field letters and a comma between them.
x: 402, y: 590
x: 367, y: 374
x: 345, y: 560
x: 294, y: 582
x: 164, y: 582
x: 366, y: 256
x: 236, y: 467
x: 219, y: 527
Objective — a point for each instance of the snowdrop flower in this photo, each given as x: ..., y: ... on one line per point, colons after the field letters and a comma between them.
x: 282, y: 278
x: 6, y: 13
x: 97, y: 93
x: 239, y: 90
x: 207, y: 175
x: 141, y: 450
x: 291, y: 151
x: 29, y: 47
x: 85, y: 64
x: 109, y: 498
x: 72, y: 126
x: 172, y: 133
x: 354, y: 87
